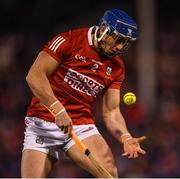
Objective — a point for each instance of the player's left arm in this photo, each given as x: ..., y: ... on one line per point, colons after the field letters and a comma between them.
x: 115, y: 123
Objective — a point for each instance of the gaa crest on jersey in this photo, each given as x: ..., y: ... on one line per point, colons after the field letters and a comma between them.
x: 108, y: 71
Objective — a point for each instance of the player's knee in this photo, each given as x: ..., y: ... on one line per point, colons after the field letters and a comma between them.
x: 112, y: 169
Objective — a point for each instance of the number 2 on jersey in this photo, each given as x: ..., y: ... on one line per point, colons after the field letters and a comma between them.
x: 95, y: 67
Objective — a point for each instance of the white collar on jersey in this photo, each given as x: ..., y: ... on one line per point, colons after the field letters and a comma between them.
x: 90, y: 35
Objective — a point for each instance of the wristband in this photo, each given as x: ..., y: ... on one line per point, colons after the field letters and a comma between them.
x: 62, y: 110
x: 125, y: 134
x: 53, y: 104
x: 127, y: 139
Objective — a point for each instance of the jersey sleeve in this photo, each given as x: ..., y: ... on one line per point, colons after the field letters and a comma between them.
x: 117, y: 84
x: 59, y: 47
x: 120, y: 76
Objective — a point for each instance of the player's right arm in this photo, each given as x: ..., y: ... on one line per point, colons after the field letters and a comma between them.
x: 38, y: 82
x: 37, y: 78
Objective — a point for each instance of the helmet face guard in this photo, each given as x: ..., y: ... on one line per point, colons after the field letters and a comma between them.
x: 121, y: 27
x: 119, y: 39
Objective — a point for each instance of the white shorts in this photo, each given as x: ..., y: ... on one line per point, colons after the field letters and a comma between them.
x: 46, y: 137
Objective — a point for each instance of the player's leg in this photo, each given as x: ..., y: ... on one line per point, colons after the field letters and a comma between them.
x: 36, y: 164
x: 101, y: 152
x: 40, y: 150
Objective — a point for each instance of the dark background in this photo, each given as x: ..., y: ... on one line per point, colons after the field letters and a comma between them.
x: 25, y: 26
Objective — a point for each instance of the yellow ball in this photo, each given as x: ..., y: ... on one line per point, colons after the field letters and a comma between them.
x: 129, y: 98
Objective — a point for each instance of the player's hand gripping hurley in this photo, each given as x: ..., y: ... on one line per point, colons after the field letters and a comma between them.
x: 102, y: 171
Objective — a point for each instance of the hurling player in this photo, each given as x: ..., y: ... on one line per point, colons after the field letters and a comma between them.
x: 66, y: 77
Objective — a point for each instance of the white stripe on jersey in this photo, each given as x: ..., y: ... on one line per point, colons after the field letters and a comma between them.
x: 52, y: 48
x: 57, y: 42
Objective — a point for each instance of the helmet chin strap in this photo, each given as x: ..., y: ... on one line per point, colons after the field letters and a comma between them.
x: 98, y: 39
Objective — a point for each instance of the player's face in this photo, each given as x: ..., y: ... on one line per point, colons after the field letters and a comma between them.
x: 113, y: 44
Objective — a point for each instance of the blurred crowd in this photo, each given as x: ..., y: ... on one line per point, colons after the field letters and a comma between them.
x: 18, y: 49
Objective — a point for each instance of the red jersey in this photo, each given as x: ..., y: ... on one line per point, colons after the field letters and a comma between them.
x: 82, y: 74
